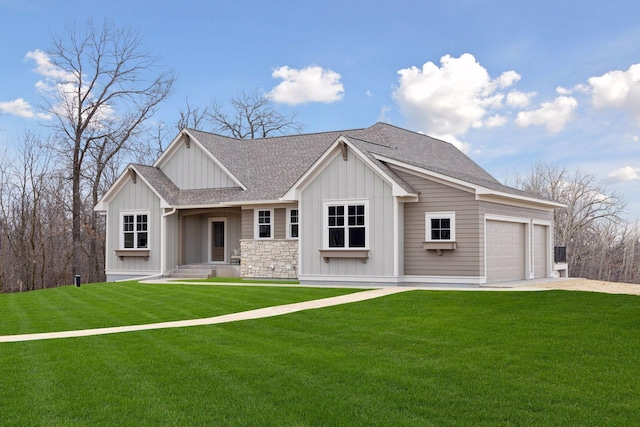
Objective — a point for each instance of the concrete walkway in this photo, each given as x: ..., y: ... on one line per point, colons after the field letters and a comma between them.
x: 234, y: 317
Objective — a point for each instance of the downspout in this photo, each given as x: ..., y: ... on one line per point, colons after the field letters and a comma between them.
x: 163, y: 240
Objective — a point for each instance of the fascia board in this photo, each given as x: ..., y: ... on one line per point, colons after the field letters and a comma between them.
x: 171, y: 148
x: 511, y: 199
x: 103, y: 203
x: 294, y: 192
x: 257, y: 202
x: 124, y: 177
x: 163, y: 202
x: 482, y: 193
x: 174, y: 146
x: 444, y: 179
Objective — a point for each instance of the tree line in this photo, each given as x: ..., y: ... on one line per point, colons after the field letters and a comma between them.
x: 601, y: 243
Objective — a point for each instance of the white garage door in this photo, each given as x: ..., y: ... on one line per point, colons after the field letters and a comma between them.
x: 505, y: 251
x: 540, y: 249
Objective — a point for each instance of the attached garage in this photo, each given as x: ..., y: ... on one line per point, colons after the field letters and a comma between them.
x: 506, y: 252
x: 540, y: 251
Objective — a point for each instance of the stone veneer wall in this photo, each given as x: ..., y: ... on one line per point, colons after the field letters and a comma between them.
x: 258, y: 256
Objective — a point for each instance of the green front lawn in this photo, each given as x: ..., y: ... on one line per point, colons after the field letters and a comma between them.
x: 129, y: 303
x: 239, y: 280
x: 416, y: 358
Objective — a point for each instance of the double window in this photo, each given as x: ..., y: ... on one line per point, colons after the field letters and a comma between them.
x: 346, y: 225
x: 135, y: 231
x: 440, y: 226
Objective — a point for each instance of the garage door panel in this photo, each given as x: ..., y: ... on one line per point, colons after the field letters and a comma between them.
x: 505, y: 251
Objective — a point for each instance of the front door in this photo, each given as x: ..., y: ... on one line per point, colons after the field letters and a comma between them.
x: 217, y: 227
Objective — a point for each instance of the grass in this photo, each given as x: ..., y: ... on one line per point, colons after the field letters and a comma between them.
x: 239, y: 280
x: 130, y: 303
x: 415, y: 358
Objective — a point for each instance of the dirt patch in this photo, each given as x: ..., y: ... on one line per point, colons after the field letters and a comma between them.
x: 591, y: 286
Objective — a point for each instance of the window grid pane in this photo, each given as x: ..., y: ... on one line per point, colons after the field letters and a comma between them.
x: 128, y: 240
x: 142, y: 240
x: 264, y: 231
x: 356, y: 237
x: 127, y: 223
x: 336, y: 237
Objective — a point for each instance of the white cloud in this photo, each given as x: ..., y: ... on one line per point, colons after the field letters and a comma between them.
x: 508, y: 78
x: 310, y: 84
x: 21, y: 108
x: 45, y: 67
x: 495, y: 121
x: 518, y: 99
x: 626, y: 173
x: 60, y: 87
x: 18, y: 107
x: 446, y: 101
x: 553, y: 115
x: 619, y: 90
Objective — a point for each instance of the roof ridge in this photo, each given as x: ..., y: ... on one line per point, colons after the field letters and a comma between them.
x: 278, y: 136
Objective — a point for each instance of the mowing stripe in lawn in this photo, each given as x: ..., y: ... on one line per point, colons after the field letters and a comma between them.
x: 234, y: 317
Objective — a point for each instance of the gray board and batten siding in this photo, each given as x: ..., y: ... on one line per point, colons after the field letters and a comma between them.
x: 192, y: 169
x: 134, y: 198
x: 347, y: 180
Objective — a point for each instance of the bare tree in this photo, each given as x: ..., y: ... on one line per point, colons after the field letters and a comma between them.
x: 192, y: 117
x: 251, y: 115
x: 32, y: 218
x: 587, y: 201
x: 591, y: 226
x: 106, y: 88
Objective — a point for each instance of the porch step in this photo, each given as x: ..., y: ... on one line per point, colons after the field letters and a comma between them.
x: 193, y: 271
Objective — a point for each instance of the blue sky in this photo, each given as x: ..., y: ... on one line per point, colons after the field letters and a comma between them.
x: 510, y: 83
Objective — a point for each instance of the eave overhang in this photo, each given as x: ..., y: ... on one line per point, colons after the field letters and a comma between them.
x: 481, y: 192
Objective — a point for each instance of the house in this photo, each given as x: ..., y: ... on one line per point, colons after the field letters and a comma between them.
x: 378, y: 205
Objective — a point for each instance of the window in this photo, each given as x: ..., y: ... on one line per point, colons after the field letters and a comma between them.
x: 264, y: 224
x: 440, y: 226
x: 346, y: 225
x: 135, y: 231
x: 293, y: 221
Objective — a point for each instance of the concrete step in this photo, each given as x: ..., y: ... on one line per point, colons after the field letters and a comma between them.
x: 193, y: 271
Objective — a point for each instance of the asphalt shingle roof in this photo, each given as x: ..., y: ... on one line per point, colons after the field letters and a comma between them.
x: 268, y: 167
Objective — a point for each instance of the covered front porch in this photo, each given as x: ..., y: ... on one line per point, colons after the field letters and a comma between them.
x: 208, y: 239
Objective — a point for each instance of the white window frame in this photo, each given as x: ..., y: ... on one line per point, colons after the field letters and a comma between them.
x: 135, y: 231
x: 345, y: 204
x: 256, y: 224
x: 289, y: 223
x: 428, y: 216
